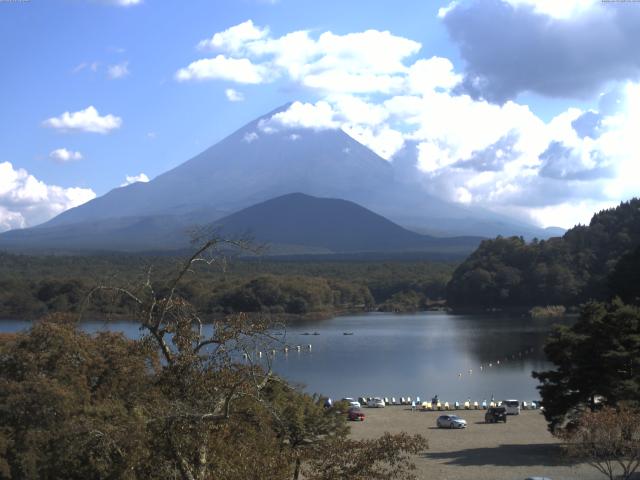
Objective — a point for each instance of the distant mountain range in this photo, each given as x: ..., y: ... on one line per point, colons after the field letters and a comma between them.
x: 293, y: 224
x: 253, y: 165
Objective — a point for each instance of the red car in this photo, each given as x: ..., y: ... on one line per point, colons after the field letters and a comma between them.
x: 355, y: 414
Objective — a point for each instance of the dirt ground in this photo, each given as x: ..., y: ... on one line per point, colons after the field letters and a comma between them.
x: 513, y: 451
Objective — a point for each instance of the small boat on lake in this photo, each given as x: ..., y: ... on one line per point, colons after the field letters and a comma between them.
x: 347, y: 333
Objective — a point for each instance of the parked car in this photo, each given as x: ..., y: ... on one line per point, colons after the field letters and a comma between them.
x: 351, y: 402
x: 355, y: 414
x: 512, y: 406
x: 495, y: 415
x: 450, y: 421
x: 375, y: 402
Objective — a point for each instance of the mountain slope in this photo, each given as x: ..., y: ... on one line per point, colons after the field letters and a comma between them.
x: 251, y: 166
x: 247, y: 167
x: 295, y: 224
x: 334, y: 225
x: 508, y: 272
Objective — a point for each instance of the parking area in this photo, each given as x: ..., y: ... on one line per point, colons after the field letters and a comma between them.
x: 517, y: 449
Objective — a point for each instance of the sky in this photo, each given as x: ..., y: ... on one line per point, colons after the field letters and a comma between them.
x: 528, y: 108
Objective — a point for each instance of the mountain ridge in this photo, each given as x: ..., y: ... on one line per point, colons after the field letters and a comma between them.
x: 252, y: 165
x: 293, y: 224
x: 337, y: 225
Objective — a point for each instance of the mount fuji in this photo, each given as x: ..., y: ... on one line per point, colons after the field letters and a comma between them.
x: 252, y: 165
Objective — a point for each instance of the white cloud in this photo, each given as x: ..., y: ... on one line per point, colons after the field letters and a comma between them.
x: 123, y: 3
x: 558, y: 9
x: 87, y: 120
x: 569, y: 214
x: 564, y: 9
x: 223, y: 68
x: 508, y: 159
x: 427, y: 75
x: 233, y: 95
x: 93, y: 66
x: 355, y: 110
x: 62, y: 155
x: 119, y: 70
x: 383, y: 140
x: 369, y: 61
x: 442, y: 11
x: 234, y: 38
x: 26, y: 201
x: 370, y: 51
x: 335, y: 80
x: 250, y: 137
x: 10, y: 220
x: 464, y: 149
x: 318, y: 116
x: 129, y: 179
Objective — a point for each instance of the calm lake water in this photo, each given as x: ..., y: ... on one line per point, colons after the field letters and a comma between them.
x: 422, y: 354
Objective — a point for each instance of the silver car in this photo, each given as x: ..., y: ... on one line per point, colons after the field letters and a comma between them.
x: 451, y: 421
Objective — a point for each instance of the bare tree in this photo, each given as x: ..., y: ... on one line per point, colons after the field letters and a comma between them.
x: 214, y: 385
x: 608, y: 440
x: 206, y: 366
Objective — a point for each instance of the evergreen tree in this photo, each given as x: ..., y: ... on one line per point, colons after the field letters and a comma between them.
x: 597, y: 361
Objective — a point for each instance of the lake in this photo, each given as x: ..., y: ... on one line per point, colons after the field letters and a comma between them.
x: 421, y: 354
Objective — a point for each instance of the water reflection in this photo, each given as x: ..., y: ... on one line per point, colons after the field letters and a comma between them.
x: 454, y: 356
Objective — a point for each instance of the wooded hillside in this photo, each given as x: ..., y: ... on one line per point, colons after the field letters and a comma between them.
x: 509, y: 272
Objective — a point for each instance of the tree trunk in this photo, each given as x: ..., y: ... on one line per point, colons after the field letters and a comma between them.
x: 202, y: 462
x: 296, y: 471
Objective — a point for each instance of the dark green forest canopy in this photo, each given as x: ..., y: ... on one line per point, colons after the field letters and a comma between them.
x: 31, y: 286
x: 569, y: 270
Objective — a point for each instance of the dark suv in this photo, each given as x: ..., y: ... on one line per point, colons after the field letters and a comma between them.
x: 495, y: 415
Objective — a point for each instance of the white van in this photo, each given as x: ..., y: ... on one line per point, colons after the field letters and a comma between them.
x: 512, y: 407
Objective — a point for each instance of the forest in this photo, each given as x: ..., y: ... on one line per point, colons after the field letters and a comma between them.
x: 590, y: 262
x: 32, y: 286
x: 176, y: 403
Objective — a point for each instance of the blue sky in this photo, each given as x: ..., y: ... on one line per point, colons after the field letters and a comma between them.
x: 49, y: 39
x: 124, y: 58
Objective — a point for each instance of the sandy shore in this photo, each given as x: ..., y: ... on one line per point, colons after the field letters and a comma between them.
x: 513, y: 451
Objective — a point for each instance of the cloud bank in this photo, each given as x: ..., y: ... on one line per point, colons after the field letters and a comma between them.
x: 462, y: 128
x: 26, y: 201
x: 562, y: 49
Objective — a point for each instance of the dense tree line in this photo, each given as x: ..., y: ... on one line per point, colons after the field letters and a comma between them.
x: 588, y: 262
x: 33, y: 286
